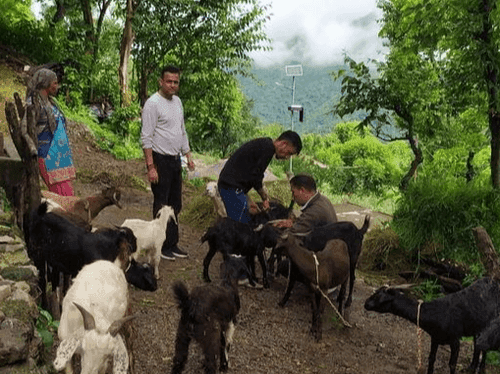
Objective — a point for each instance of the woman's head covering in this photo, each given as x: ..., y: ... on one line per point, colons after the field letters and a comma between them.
x: 42, y: 79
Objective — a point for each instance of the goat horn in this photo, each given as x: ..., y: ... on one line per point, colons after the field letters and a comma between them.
x: 88, y: 318
x: 117, y: 325
x: 402, y: 286
x: 259, y: 228
x: 115, y: 200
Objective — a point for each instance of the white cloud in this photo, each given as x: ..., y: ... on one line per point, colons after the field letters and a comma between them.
x: 320, y: 32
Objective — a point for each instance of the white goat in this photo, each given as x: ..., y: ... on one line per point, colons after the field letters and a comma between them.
x: 93, y: 312
x: 212, y: 191
x: 150, y: 236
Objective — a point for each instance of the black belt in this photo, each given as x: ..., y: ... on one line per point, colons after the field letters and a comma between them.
x: 170, y: 157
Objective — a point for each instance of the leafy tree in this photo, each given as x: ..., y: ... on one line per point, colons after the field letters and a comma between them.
x: 203, y: 35
x: 464, y: 37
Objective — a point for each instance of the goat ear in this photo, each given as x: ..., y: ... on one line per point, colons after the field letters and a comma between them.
x: 65, y: 351
x: 120, y: 357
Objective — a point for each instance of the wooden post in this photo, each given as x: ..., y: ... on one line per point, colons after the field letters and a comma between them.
x: 22, y: 186
x: 489, y: 256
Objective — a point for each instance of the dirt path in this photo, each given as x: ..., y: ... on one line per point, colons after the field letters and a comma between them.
x: 268, y: 339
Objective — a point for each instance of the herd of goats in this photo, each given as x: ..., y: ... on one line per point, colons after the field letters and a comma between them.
x: 91, y: 270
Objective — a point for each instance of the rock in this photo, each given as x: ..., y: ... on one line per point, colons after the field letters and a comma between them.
x: 5, y: 239
x: 14, y: 341
x: 5, y: 292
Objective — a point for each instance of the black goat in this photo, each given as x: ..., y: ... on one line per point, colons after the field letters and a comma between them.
x: 487, y: 340
x: 230, y: 237
x: 208, y: 315
x: 141, y: 275
x: 446, y: 320
x: 65, y: 248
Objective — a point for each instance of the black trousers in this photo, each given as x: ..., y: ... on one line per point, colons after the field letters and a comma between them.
x: 168, y: 191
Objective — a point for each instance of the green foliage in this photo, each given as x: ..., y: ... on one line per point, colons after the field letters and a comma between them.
x: 46, y: 327
x: 122, y: 147
x: 435, y: 216
x: 429, y: 290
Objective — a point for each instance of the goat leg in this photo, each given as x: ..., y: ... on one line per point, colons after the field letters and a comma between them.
x: 181, y: 348
x: 455, y: 350
x: 263, y: 266
x: 206, y: 263
x: 316, y: 328
x: 291, y: 282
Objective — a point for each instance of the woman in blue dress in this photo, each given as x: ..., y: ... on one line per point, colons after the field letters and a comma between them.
x: 54, y: 153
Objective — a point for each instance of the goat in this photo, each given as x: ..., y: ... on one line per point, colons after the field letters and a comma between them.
x: 446, y: 320
x: 208, y: 315
x: 94, y: 310
x: 82, y: 211
x: 230, y: 237
x: 487, y: 340
x: 66, y: 248
x: 141, y: 275
x: 349, y: 233
x: 328, y: 269
x: 212, y: 191
x: 150, y: 236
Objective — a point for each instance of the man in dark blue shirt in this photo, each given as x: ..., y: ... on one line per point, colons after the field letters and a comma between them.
x: 245, y: 169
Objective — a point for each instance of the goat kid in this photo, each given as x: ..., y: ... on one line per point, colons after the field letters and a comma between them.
x: 94, y: 310
x: 447, y: 319
x: 150, y: 236
x: 142, y: 276
x: 208, y: 315
x: 249, y: 240
x: 330, y: 270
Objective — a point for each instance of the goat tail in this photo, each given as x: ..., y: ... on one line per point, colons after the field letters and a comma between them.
x: 181, y: 294
x: 366, y: 224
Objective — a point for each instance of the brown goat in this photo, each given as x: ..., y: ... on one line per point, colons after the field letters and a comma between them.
x: 331, y: 269
x: 82, y: 211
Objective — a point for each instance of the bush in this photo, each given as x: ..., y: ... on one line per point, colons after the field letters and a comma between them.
x: 436, y: 216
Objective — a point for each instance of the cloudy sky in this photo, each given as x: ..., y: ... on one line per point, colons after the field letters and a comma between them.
x: 319, y: 32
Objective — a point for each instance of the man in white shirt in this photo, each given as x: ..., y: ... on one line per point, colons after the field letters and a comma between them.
x: 164, y: 141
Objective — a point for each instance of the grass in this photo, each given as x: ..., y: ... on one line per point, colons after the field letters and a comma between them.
x: 9, y: 83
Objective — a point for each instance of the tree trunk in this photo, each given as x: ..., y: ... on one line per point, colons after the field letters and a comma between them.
x: 489, y: 257
x: 125, y: 51
x: 495, y: 150
x: 24, y: 192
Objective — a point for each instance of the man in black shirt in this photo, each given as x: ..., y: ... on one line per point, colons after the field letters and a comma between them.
x: 245, y: 170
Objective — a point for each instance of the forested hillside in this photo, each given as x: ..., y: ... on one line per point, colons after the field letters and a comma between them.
x: 316, y: 91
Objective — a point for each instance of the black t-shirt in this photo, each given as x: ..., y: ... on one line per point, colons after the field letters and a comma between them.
x: 245, y: 168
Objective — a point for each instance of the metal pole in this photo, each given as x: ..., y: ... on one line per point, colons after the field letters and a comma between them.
x: 291, y: 116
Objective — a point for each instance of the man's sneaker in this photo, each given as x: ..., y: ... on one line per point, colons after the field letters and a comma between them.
x: 177, y: 252
x: 167, y: 254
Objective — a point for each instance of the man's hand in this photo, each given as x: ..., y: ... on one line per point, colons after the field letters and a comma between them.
x: 265, y: 204
x: 284, y: 223
x: 152, y: 174
x: 252, y: 207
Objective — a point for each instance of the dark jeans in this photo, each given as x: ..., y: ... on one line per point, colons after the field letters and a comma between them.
x: 236, y: 203
x: 168, y: 191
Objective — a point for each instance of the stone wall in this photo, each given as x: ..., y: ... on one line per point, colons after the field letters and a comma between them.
x: 21, y: 347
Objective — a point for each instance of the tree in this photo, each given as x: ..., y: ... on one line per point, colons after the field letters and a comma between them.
x: 464, y: 37
x: 393, y: 100
x: 126, y: 43
x: 200, y: 35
